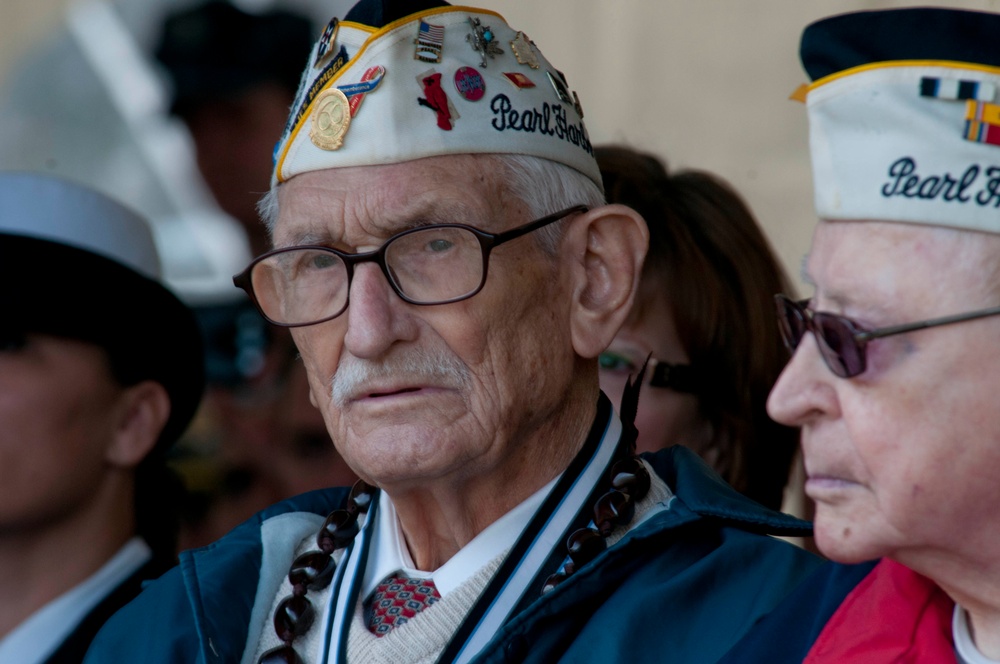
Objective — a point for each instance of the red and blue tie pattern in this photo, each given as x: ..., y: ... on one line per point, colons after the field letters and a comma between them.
x: 396, y: 600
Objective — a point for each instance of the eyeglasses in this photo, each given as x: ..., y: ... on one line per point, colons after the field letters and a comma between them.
x: 678, y: 377
x: 841, y: 341
x: 435, y: 264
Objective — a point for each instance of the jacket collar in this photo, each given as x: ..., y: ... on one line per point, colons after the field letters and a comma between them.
x: 702, y: 492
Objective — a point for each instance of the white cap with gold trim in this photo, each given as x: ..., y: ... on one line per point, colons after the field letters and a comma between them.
x: 445, y: 80
x: 904, y: 116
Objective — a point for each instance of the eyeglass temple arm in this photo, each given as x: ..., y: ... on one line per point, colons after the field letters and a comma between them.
x: 515, y: 233
x: 934, y: 322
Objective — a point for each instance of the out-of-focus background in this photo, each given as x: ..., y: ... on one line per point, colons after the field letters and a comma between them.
x: 183, y: 134
x: 704, y: 83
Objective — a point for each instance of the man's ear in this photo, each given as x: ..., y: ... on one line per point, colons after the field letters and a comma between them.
x: 608, y: 245
x: 141, y: 414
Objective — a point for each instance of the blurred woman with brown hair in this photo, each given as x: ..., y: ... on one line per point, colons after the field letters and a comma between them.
x: 705, y: 316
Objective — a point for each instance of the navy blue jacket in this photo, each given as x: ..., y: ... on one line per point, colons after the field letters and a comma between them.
x: 682, y: 586
x: 787, y: 634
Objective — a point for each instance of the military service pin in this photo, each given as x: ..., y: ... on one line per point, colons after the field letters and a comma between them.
x: 524, y: 50
x: 331, y: 117
x: 326, y: 42
x: 483, y: 41
x: 519, y: 80
x: 436, y: 99
x: 429, y: 41
x: 559, y: 84
x: 470, y: 83
x: 355, y: 92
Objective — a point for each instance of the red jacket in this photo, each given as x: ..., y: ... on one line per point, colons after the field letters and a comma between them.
x: 894, y: 615
x: 873, y: 613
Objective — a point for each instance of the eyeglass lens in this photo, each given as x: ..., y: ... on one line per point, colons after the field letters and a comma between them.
x: 436, y: 264
x: 425, y: 266
x: 836, y: 336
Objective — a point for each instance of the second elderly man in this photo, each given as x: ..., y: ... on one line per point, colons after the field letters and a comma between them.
x: 450, y: 273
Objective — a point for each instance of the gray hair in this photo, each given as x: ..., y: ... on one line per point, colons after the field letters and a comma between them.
x: 267, y: 208
x: 544, y: 186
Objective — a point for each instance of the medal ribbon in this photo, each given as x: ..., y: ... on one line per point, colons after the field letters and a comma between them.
x: 355, y: 92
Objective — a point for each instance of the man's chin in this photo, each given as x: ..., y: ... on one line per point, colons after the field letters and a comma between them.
x: 405, y: 452
x: 845, y: 541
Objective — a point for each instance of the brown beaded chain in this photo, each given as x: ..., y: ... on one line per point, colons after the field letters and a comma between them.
x: 630, y: 483
x: 313, y: 570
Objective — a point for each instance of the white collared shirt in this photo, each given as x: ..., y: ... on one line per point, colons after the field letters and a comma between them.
x: 965, y: 648
x: 390, y: 554
x: 35, y: 639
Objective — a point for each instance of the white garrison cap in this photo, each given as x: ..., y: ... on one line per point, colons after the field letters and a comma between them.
x: 381, y: 89
x: 53, y: 209
x: 904, y: 116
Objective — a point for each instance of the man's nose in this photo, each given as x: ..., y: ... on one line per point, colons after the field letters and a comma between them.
x: 376, y: 316
x: 804, y: 389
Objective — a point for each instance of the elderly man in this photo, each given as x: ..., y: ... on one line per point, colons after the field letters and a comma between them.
x: 100, y: 372
x: 450, y: 274
x: 896, y: 372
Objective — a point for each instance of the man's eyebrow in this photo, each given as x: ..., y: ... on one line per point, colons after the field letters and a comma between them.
x: 456, y: 212
x: 302, y: 239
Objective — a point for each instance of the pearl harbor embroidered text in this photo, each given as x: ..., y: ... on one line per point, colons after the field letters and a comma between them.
x: 549, y: 120
x: 906, y: 181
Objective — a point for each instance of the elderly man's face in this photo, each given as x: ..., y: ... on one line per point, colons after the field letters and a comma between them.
x: 902, y: 459
x: 417, y: 393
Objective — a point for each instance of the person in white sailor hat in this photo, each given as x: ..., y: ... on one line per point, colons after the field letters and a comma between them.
x: 100, y: 373
x: 450, y: 272
x: 895, y: 370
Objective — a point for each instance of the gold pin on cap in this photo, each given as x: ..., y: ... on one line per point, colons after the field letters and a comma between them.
x: 331, y: 117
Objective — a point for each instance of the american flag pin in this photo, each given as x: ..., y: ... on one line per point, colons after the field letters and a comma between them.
x: 429, y: 42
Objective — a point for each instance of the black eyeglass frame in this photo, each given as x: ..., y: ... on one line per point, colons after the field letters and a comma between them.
x: 659, y: 373
x: 487, y: 242
x: 677, y: 377
x: 860, y: 335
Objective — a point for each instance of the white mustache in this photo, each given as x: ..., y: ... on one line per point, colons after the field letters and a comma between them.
x: 416, y: 366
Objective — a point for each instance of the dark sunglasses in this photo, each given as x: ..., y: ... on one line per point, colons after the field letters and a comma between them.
x: 841, y: 341
x: 677, y: 377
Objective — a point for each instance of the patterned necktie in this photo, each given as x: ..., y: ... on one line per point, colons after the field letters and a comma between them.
x: 397, y: 599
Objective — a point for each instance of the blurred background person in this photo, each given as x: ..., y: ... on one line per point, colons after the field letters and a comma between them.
x: 100, y: 372
x: 233, y: 76
x: 256, y: 439
x: 705, y: 316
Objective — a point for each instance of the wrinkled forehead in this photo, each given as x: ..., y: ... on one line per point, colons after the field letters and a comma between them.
x: 362, y: 204
x: 869, y: 259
